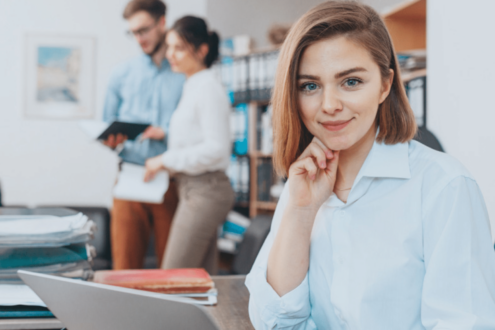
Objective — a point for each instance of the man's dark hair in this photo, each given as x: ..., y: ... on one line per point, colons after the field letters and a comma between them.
x: 156, y: 8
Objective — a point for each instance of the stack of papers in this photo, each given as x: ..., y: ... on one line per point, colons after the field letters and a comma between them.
x: 13, y: 295
x: 44, y: 230
x: 44, y: 244
x: 131, y: 185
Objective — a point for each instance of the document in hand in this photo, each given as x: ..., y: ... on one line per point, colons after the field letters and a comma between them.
x: 100, y: 130
x: 131, y: 185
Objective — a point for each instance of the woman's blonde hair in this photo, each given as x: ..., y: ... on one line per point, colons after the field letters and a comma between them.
x: 361, y: 24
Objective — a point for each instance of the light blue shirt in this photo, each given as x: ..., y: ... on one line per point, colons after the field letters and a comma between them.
x: 410, y: 250
x: 140, y: 92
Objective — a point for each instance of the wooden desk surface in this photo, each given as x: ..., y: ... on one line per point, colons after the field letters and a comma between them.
x: 231, y: 312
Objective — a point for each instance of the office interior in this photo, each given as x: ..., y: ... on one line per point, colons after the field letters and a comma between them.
x: 48, y: 161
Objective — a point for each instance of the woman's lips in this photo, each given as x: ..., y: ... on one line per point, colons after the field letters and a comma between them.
x: 337, y: 125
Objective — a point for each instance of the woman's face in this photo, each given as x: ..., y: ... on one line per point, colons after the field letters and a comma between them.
x: 182, y: 56
x: 340, y: 89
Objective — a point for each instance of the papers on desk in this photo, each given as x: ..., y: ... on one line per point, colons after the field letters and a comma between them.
x: 12, y: 295
x: 44, y: 244
x: 44, y: 230
x: 209, y: 298
x: 131, y: 185
x: 76, y: 270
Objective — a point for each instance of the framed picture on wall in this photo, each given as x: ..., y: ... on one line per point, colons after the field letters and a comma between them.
x: 59, y: 77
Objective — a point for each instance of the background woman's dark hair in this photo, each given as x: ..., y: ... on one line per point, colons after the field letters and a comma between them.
x: 195, y: 32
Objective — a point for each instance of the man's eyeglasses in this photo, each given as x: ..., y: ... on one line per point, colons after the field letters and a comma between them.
x: 142, y: 31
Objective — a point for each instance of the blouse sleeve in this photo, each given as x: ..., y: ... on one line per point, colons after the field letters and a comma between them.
x: 267, y: 309
x: 459, y: 283
x: 213, y: 113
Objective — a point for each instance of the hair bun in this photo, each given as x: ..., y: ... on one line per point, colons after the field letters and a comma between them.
x: 213, y: 45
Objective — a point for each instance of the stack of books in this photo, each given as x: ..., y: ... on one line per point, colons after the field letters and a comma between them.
x: 231, y: 233
x: 193, y: 283
x: 412, y: 60
x: 43, y: 244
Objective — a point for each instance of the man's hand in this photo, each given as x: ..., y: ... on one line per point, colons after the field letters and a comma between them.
x: 113, y: 141
x: 153, y: 133
x: 153, y: 166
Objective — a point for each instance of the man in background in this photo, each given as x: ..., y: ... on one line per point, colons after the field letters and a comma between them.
x: 142, y: 90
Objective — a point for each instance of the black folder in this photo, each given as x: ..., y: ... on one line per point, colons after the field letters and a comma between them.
x: 131, y: 130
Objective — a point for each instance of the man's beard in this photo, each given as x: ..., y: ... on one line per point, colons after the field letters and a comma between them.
x: 159, y: 45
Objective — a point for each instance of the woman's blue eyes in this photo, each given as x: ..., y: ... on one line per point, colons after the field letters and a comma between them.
x: 352, y: 82
x: 310, y: 86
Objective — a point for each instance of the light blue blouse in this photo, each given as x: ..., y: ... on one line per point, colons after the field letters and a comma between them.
x: 410, y: 250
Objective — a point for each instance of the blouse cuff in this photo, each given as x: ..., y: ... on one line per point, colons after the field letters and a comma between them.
x: 288, y: 310
x: 168, y: 159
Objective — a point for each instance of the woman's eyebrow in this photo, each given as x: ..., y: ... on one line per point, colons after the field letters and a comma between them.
x: 307, y: 76
x: 347, y: 72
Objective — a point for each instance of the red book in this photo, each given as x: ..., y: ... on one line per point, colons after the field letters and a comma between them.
x: 185, y: 280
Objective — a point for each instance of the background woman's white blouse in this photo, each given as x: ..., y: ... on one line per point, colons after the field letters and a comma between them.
x: 199, y: 135
x: 411, y: 249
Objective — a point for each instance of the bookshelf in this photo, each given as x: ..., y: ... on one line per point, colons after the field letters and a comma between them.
x: 407, y: 25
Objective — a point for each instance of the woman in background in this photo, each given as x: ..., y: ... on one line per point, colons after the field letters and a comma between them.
x: 199, y: 149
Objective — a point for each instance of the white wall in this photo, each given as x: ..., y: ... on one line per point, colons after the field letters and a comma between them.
x: 461, y: 88
x: 51, y: 162
x: 382, y: 5
x: 254, y: 17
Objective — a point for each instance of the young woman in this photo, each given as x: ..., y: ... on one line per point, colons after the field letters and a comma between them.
x: 199, y: 149
x: 373, y: 230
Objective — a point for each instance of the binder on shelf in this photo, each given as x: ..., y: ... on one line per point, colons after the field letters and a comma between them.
x: 241, y: 129
x: 244, y: 176
x: 238, y: 173
x: 265, y: 179
x: 416, y: 93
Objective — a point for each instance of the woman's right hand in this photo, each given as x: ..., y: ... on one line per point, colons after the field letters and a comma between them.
x: 312, y: 176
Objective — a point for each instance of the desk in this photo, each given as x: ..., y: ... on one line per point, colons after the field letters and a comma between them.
x: 231, y: 312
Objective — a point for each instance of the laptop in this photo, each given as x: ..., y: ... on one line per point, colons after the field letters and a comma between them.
x: 84, y: 305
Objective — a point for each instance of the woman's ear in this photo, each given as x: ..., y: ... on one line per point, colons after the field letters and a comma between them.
x: 203, y: 51
x: 386, y: 86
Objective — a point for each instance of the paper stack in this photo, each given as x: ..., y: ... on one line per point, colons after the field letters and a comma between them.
x: 44, y: 244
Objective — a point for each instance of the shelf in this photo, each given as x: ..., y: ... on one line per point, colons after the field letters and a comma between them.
x: 259, y: 154
x: 270, y: 206
x: 408, y: 76
x: 241, y: 204
x: 407, y: 25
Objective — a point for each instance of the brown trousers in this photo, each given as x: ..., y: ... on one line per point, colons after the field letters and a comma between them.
x: 204, y: 201
x: 131, y: 226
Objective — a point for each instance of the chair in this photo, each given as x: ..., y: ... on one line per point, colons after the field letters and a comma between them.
x: 254, y: 237
x: 428, y: 139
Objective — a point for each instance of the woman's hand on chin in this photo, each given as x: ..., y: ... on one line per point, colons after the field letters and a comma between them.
x: 312, y: 176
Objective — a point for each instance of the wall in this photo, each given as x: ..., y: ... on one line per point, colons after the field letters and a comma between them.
x: 254, y: 17
x: 461, y: 111
x: 382, y: 5
x: 51, y: 162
